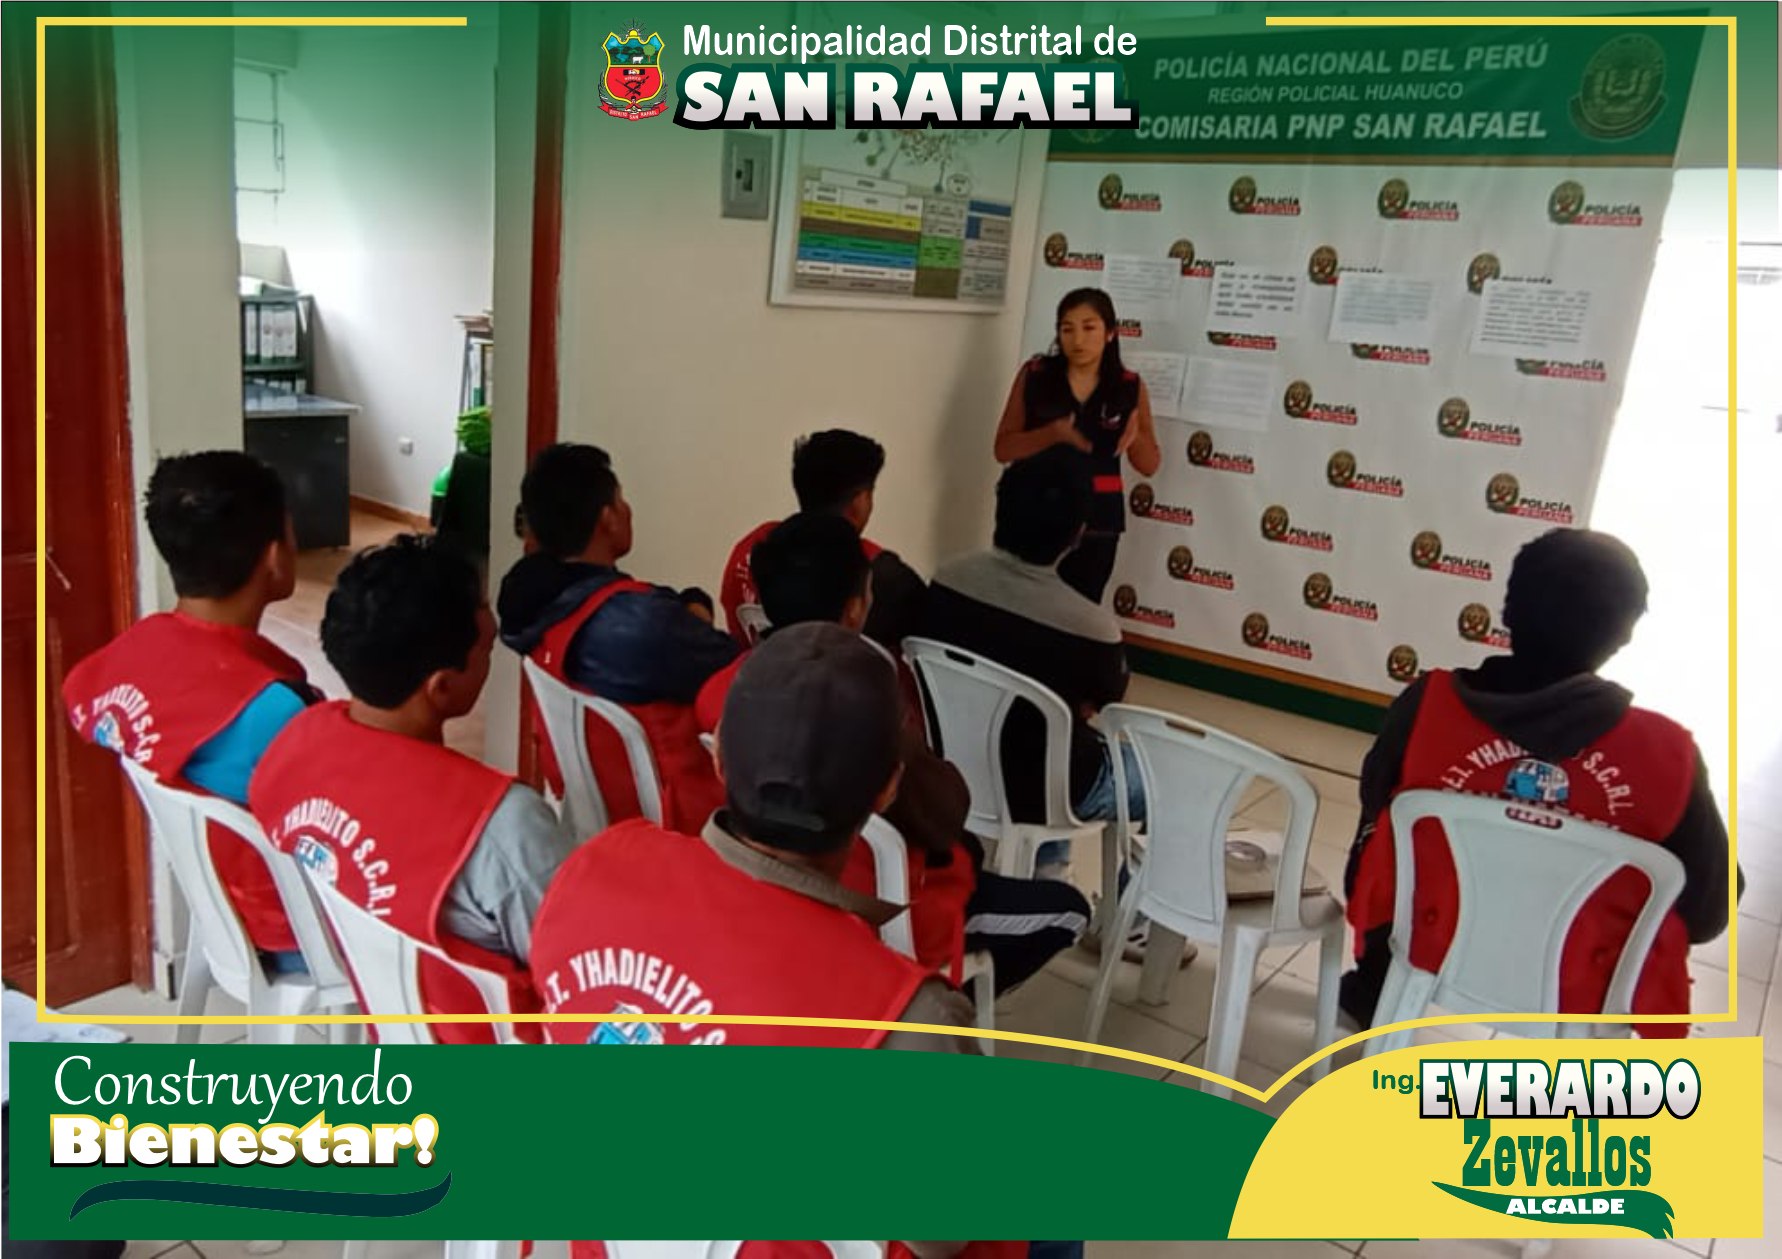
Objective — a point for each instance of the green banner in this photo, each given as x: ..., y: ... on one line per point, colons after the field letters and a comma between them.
x: 1627, y: 1208
x: 594, y: 1142
x: 1560, y: 92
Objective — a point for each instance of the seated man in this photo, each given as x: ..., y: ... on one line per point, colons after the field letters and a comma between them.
x: 444, y: 848
x: 836, y: 472
x: 750, y: 917
x: 1572, y: 601
x: 811, y: 568
x: 569, y: 607
x: 1009, y: 605
x: 196, y: 694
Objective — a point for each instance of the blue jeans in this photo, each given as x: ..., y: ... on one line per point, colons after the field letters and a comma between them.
x: 1098, y: 803
x: 284, y: 962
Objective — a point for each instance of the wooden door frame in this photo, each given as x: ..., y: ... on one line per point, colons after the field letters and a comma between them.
x: 85, y: 356
x: 545, y: 303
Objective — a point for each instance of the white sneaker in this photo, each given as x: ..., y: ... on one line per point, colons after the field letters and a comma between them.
x: 1134, y: 948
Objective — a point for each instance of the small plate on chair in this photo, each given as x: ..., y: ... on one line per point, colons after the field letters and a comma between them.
x: 1250, y: 867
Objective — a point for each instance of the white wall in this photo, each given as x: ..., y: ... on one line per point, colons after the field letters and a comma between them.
x: 175, y: 158
x: 516, y: 112
x: 175, y: 163
x: 673, y: 360
x: 388, y: 219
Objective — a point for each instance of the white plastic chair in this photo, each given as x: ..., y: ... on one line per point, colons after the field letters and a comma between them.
x: 725, y: 1250
x: 891, y: 880
x: 565, y: 710
x: 1194, y: 777
x: 1524, y: 873
x: 219, y: 953
x: 753, y: 621
x: 968, y: 702
x: 450, y: 1250
x: 386, y: 963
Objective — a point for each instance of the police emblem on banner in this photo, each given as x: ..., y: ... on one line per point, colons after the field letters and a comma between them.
x: 1566, y: 202
x: 1483, y: 267
x: 1474, y: 624
x: 1622, y: 90
x: 1322, y: 266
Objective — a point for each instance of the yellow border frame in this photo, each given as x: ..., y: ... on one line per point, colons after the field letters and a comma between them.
x: 45, y: 1015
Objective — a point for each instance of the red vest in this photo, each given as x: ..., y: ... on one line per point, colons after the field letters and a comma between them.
x: 1636, y: 778
x: 708, y: 705
x: 973, y: 1250
x: 937, y: 902
x: 641, y: 920
x: 691, y: 792
x: 817, y: 1250
x: 937, y: 894
x: 738, y: 585
x: 392, y: 821
x: 160, y: 691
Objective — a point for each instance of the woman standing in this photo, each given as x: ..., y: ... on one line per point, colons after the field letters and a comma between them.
x: 1080, y: 395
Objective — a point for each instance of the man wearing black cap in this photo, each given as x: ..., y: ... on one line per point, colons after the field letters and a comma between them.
x: 1540, y: 727
x: 750, y: 917
x: 811, y: 568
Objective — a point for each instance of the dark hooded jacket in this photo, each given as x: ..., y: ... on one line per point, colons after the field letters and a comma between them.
x: 640, y: 648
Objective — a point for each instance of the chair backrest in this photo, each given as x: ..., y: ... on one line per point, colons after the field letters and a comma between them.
x: 386, y: 966
x: 566, y: 711
x: 1523, y: 874
x: 1194, y: 777
x: 891, y: 880
x: 753, y: 620
x: 968, y: 699
x: 726, y: 1249
x: 181, y: 821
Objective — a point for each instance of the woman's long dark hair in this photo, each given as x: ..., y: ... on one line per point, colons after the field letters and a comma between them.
x: 1112, y: 369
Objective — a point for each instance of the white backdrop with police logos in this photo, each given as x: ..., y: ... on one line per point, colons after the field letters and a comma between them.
x: 1381, y: 359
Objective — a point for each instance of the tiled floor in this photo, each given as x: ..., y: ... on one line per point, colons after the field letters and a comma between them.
x: 1280, y: 1022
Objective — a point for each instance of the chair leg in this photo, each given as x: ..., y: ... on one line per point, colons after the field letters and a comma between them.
x: 289, y: 1000
x: 1330, y: 972
x: 1405, y: 995
x: 194, y: 987
x: 1231, y: 1005
x: 1163, y: 957
x: 355, y: 1250
x: 1110, y: 881
x: 985, y: 997
x: 1110, y: 961
x: 1015, y: 855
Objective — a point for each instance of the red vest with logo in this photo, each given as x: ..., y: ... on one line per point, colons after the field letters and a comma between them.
x: 817, y: 1250
x: 691, y: 792
x: 937, y: 894
x: 1636, y: 778
x: 738, y: 586
x: 391, y: 820
x: 160, y: 691
x: 641, y: 920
